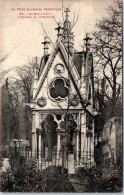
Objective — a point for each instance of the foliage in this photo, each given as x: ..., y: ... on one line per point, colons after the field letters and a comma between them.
x: 24, y: 178
x: 107, y: 177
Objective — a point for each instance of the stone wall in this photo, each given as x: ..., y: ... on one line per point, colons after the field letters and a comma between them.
x: 112, y: 146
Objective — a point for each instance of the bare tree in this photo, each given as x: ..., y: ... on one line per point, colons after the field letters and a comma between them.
x: 16, y: 118
x: 107, y: 51
x: 5, y: 57
x: 25, y: 80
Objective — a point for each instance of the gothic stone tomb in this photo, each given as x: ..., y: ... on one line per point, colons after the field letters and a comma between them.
x: 63, y: 103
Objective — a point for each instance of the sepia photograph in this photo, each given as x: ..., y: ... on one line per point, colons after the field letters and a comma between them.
x: 61, y: 96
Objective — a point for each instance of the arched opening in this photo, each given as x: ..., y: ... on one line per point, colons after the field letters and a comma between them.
x: 49, y: 136
x: 69, y: 125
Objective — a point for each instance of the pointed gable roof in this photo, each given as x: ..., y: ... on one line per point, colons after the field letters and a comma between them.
x: 43, y: 62
x: 77, y: 60
x: 74, y: 73
x: 75, y: 77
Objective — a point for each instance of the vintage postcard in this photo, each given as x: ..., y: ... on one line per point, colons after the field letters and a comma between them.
x: 61, y: 96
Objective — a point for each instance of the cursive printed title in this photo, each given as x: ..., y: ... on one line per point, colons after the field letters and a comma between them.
x: 35, y: 12
x: 36, y: 9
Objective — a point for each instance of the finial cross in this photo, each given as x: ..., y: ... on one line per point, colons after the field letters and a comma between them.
x: 59, y: 28
x: 87, y: 39
x: 67, y: 11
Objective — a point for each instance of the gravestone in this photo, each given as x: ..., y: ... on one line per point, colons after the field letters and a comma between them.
x: 71, y: 168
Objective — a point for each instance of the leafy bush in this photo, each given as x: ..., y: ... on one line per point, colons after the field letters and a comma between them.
x: 24, y: 178
x: 112, y: 182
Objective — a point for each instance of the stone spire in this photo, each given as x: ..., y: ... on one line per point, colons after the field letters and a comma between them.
x: 45, y: 43
x: 87, y: 40
x: 68, y: 37
x: 35, y: 80
x: 60, y: 30
x: 36, y: 69
x: 67, y: 24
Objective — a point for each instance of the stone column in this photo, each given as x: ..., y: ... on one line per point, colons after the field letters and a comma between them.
x: 58, y: 143
x: 41, y: 118
x: 89, y: 153
x: 34, y: 138
x: 83, y: 135
x: 77, y: 148
x: 37, y: 120
x: 35, y: 125
x: 88, y: 148
x: 40, y: 144
x: 40, y: 149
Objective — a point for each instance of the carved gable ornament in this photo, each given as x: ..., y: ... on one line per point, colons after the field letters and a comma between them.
x: 42, y: 101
